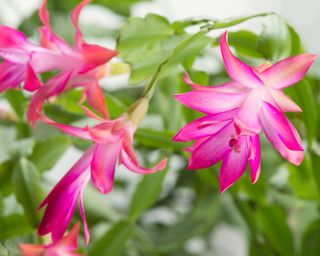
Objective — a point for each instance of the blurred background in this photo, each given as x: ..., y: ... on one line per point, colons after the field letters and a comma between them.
x: 190, y: 218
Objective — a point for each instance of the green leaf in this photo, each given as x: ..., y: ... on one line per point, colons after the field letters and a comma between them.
x: 114, y: 241
x: 310, y: 240
x: 274, y: 42
x: 14, y: 225
x: 272, y: 221
x: 47, y: 152
x: 27, y: 188
x: 296, y: 45
x: 17, y: 101
x: 146, y: 193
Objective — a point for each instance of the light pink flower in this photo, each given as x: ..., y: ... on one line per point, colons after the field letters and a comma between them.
x: 82, y: 66
x: 256, y: 97
x: 112, y: 144
x: 217, y: 140
x: 66, y: 246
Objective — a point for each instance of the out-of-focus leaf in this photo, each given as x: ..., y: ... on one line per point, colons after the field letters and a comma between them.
x: 17, y: 101
x: 272, y: 221
x: 27, y: 188
x: 310, y: 240
x: 146, y: 193
x: 5, y: 177
x: 47, y: 152
x: 115, y: 106
x: 274, y: 42
x: 114, y: 241
x: 14, y: 225
x: 296, y: 46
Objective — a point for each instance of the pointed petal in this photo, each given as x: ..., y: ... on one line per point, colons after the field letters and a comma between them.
x: 11, y: 38
x: 71, y: 239
x: 255, y: 158
x: 234, y: 164
x: 211, y: 150
x: 103, y: 166
x: 288, y: 71
x: 32, y: 82
x: 83, y: 216
x: 11, y: 75
x: 137, y: 168
x: 284, y: 102
x: 31, y: 249
x: 295, y: 157
x: 96, y: 99
x: 281, y: 125
x: 211, y: 102
x: 238, y: 70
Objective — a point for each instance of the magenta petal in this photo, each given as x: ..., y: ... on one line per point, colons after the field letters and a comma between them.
x: 12, y: 38
x: 211, y: 102
x: 238, y: 70
x: 295, y: 157
x: 11, y: 75
x: 288, y: 71
x: 134, y: 167
x: 234, y: 164
x: 255, y: 158
x: 281, y: 125
x: 211, y: 150
x: 96, y: 99
x: 103, y: 166
x: 83, y: 216
x: 32, y: 82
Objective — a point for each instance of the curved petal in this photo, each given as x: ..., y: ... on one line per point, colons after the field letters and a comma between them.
x: 281, y: 125
x: 238, y: 70
x: 11, y: 75
x: 12, y: 38
x: 134, y: 167
x: 295, y: 157
x: 211, y: 150
x: 288, y: 71
x: 96, y: 99
x: 32, y: 82
x: 31, y: 249
x: 255, y: 158
x: 284, y: 102
x: 234, y: 164
x: 211, y: 102
x: 103, y: 166
x: 71, y: 239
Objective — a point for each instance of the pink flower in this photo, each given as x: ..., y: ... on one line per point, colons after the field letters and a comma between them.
x: 256, y: 98
x: 66, y: 246
x: 112, y: 144
x: 81, y: 66
x: 217, y: 140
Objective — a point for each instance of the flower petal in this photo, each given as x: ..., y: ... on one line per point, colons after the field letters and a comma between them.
x: 288, y: 71
x: 32, y: 82
x: 212, y: 149
x: 295, y: 157
x: 234, y: 164
x: 31, y: 249
x: 284, y: 102
x: 12, y: 38
x: 103, y: 166
x: 134, y: 167
x: 96, y: 99
x: 11, y: 75
x: 211, y: 102
x: 281, y: 125
x: 238, y: 70
x: 255, y: 158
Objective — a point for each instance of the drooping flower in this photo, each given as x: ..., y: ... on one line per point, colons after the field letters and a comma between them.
x: 217, y: 140
x: 112, y: 144
x: 66, y: 246
x: 256, y: 96
x: 83, y: 66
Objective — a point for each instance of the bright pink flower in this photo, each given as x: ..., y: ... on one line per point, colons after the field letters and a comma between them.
x: 112, y: 144
x: 256, y: 96
x: 83, y: 66
x: 217, y: 140
x: 66, y: 246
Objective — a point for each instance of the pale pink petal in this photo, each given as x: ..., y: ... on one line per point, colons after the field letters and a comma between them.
x: 212, y: 149
x: 234, y: 164
x: 295, y: 157
x: 238, y: 70
x: 288, y: 71
x: 281, y: 125
x: 131, y: 165
x: 246, y: 119
x: 32, y: 82
x: 103, y: 166
x: 255, y: 157
x: 211, y: 102
x: 284, y: 102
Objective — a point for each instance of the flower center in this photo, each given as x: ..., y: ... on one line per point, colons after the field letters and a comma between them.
x: 233, y: 143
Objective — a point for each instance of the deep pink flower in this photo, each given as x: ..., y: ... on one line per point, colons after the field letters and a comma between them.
x: 82, y: 66
x: 66, y: 246
x: 217, y: 140
x: 112, y: 144
x: 256, y: 97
